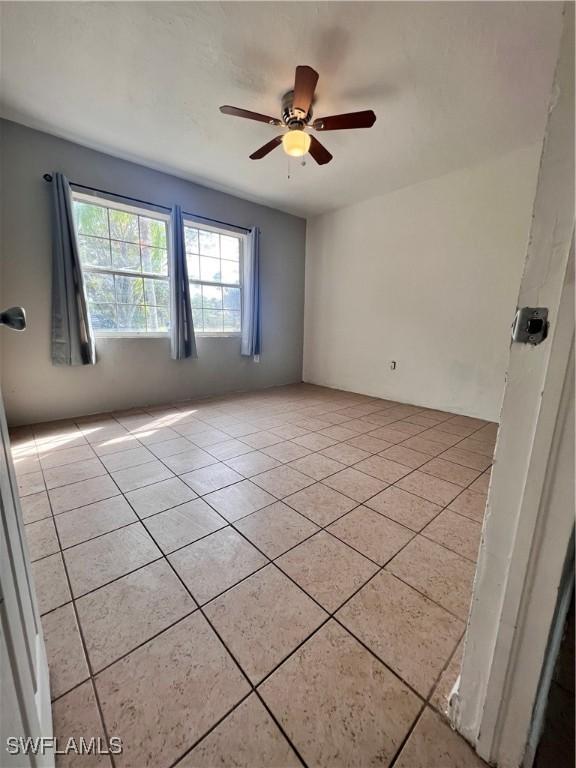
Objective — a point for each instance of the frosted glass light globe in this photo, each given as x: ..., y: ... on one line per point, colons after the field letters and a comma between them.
x: 296, y: 143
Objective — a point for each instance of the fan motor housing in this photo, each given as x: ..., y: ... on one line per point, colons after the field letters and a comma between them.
x: 294, y: 118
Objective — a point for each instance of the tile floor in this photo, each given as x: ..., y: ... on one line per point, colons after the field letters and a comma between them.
x: 264, y: 580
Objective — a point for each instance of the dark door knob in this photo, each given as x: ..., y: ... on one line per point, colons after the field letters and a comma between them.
x: 14, y: 318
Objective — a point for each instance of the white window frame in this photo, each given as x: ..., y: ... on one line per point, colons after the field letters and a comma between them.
x: 148, y: 212
x: 242, y: 236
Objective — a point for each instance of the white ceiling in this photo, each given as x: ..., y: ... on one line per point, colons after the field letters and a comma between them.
x: 452, y: 84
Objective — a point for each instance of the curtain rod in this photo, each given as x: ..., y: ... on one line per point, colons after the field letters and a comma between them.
x: 48, y: 177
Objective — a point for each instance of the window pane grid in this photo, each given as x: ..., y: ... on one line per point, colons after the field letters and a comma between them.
x: 213, y: 260
x: 125, y: 259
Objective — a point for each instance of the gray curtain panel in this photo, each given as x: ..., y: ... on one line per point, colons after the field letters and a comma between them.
x: 251, y: 317
x: 182, y: 339
x: 72, y: 337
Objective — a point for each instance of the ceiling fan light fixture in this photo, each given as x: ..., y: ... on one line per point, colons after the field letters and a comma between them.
x: 296, y: 143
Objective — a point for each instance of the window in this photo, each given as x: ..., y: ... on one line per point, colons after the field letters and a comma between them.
x: 214, y: 259
x: 124, y: 255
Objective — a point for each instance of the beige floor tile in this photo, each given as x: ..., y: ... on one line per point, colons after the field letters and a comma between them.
x: 455, y: 429
x: 317, y: 466
x: 290, y: 431
x: 424, y: 419
x: 336, y: 702
x: 66, y: 456
x: 327, y: 569
x: 166, y: 681
x: 448, y: 470
x: 35, y: 507
x: 409, y: 428
x: 356, y: 485
x: 441, y: 436
x: 314, y: 441
x: 24, y: 465
x: 405, y: 456
x: 433, y: 743
x: 160, y: 496
x: 286, y: 451
x: 310, y: 424
x: 412, y: 635
x: 455, y: 532
x: 338, y: 433
x: 345, y: 453
x: 160, y: 435
x: 405, y: 508
x: 183, y: 524
x: 66, y: 659
x: 482, y: 484
x: 359, y: 426
x: 239, y: 500
x: 371, y: 533
x: 369, y: 443
x: 428, y: 487
x: 247, y: 738
x: 75, y: 715
x: 50, y: 582
x: 50, y: 444
x: 320, y: 504
x: 383, y: 469
x: 467, y: 458
x: 33, y: 482
x: 442, y: 575
x: 282, y: 481
x: 276, y: 528
x: 215, y: 563
x: 138, y: 477
x: 117, y: 618
x: 263, y: 619
x: 484, y: 448
x: 41, y: 538
x: 390, y: 434
x: 92, y: 520
x: 128, y: 458
x: 170, y: 447
x: 189, y: 460
x: 260, y: 440
x: 380, y: 420
x: 96, y: 562
x: 211, y: 478
x: 124, y: 442
x: 253, y: 463
x: 443, y: 689
x: 240, y: 429
x: 470, y: 504
x: 78, y: 494
x: 228, y: 449
x: 424, y: 445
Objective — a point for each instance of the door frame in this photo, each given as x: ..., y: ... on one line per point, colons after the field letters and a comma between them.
x: 530, y: 510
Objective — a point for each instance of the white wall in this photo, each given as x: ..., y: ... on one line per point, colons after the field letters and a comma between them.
x: 427, y: 276
x: 130, y: 372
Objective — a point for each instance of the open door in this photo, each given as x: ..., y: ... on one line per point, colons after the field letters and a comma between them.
x: 25, y: 710
x: 529, y: 518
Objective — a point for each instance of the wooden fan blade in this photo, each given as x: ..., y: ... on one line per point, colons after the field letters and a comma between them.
x: 304, y: 87
x: 263, y: 151
x: 319, y: 152
x: 364, y: 119
x: 237, y: 112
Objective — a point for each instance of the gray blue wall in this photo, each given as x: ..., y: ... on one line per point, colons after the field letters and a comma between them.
x: 130, y: 372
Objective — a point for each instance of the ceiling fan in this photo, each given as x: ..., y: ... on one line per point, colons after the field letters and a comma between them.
x: 297, y: 117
